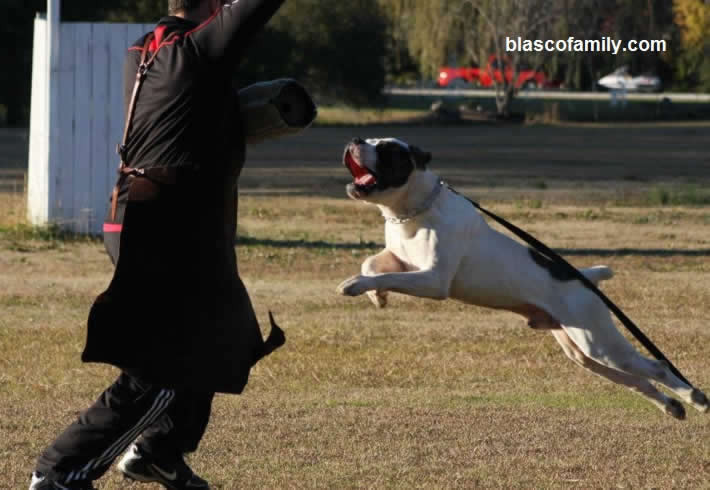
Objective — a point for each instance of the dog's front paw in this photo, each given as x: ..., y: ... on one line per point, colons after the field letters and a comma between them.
x: 356, y: 285
x: 378, y: 298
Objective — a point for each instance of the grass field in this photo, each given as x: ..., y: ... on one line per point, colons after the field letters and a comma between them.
x: 422, y: 394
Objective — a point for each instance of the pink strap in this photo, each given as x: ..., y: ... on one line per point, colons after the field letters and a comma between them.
x: 113, y: 227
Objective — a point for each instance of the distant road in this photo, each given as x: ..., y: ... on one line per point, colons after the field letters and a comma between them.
x: 552, y: 94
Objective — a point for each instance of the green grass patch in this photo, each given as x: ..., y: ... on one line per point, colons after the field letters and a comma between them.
x: 689, y: 195
x: 29, y: 238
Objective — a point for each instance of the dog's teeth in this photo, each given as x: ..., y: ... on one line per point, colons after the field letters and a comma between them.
x: 365, y: 179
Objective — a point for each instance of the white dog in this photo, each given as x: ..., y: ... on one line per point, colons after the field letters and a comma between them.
x: 438, y: 246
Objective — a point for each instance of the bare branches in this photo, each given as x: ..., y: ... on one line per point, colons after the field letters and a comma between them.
x: 508, y: 18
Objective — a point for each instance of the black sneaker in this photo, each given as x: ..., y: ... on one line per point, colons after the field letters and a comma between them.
x: 175, y: 475
x: 40, y: 482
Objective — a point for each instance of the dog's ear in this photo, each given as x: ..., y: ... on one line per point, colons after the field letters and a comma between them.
x: 419, y: 158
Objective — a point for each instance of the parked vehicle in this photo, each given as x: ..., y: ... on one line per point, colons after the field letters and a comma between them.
x: 461, y: 77
x: 621, y: 79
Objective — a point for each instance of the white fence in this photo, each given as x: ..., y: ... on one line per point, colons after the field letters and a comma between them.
x: 77, y: 117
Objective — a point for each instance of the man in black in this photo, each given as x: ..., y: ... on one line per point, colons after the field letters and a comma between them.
x: 176, y: 318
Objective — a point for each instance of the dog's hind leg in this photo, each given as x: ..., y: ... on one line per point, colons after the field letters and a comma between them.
x: 636, y: 384
x: 603, y: 342
x: 660, y: 372
x: 385, y: 261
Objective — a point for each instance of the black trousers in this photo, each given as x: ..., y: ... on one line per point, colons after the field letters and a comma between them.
x: 170, y: 422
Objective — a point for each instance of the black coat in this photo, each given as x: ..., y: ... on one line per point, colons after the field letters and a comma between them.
x: 176, y: 312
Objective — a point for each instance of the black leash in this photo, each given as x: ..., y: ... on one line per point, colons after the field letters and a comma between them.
x: 545, y: 250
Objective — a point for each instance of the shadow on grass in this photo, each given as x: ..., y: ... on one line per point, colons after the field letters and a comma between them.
x: 638, y: 252
x: 602, y: 252
x: 269, y: 242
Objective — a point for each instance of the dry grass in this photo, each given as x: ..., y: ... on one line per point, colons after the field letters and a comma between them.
x: 422, y: 394
x: 13, y: 209
x: 343, y: 115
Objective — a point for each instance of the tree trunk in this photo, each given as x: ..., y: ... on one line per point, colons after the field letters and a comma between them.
x: 504, y: 99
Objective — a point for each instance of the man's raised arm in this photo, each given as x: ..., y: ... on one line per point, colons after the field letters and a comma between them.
x: 226, y: 34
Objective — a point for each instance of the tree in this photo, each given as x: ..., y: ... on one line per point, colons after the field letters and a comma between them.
x: 582, y: 19
x: 135, y: 10
x: 400, y: 66
x: 17, y: 27
x: 337, y: 49
x: 430, y: 31
x: 491, y: 22
x: 16, y: 58
x: 640, y: 19
x: 693, y: 20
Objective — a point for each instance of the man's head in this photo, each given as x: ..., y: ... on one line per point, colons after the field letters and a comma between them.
x: 193, y: 8
x: 181, y: 6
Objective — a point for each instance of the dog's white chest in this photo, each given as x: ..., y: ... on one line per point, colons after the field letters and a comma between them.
x: 411, y: 246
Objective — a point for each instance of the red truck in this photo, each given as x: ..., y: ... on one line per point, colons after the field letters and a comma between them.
x: 483, y: 77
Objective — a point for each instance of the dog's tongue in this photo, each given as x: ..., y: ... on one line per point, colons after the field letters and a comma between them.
x: 360, y: 174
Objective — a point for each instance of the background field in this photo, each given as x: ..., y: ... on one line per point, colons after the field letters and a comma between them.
x: 423, y: 393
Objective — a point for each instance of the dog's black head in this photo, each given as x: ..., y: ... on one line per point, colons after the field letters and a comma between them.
x: 381, y: 164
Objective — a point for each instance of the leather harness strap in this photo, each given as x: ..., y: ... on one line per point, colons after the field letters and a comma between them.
x: 124, y: 168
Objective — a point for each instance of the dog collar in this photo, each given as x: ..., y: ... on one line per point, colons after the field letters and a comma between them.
x: 403, y: 218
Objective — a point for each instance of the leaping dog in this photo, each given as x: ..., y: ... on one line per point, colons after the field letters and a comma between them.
x: 438, y: 246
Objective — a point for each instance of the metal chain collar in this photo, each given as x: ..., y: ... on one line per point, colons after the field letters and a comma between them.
x: 403, y: 218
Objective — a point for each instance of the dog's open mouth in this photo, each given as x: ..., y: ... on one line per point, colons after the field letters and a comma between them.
x: 364, y: 181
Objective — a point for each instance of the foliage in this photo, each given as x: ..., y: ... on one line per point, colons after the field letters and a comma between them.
x: 17, y: 27
x: 428, y: 28
x: 491, y: 22
x: 693, y: 20
x: 401, y: 67
x: 15, y: 83
x: 439, y: 32
x: 136, y: 10
x: 620, y: 20
x: 345, y: 51
x: 319, y: 43
x: 336, y: 49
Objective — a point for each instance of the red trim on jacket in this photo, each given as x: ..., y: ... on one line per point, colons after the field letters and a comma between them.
x: 160, y: 31
x: 209, y: 19
x: 157, y: 39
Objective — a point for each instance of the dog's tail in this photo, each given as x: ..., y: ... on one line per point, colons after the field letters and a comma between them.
x: 598, y: 273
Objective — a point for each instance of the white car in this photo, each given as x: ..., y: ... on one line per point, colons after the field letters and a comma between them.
x: 621, y: 79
